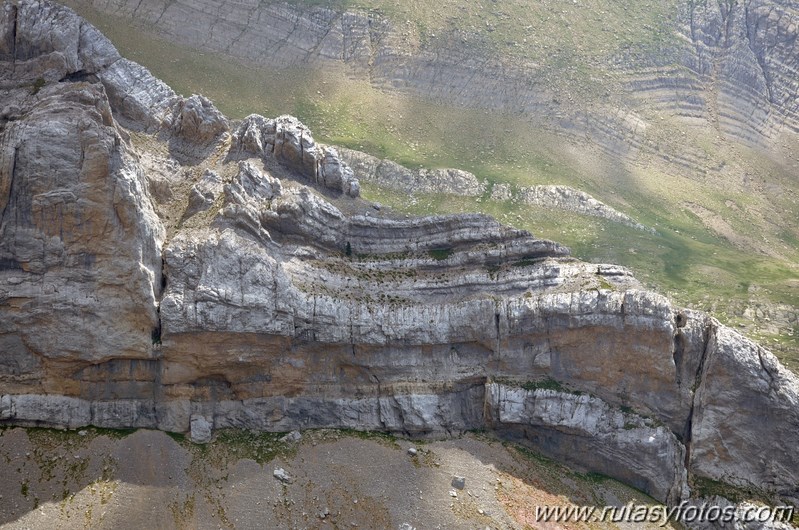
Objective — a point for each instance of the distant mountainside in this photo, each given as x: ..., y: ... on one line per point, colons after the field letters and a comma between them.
x: 730, y: 64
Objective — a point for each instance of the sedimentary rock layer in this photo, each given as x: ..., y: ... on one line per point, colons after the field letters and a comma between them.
x: 390, y: 175
x: 163, y: 267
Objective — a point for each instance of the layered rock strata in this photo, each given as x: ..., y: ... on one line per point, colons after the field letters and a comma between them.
x: 391, y: 175
x: 161, y: 267
x: 729, y: 64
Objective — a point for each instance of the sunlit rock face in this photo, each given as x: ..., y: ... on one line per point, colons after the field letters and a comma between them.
x: 164, y: 267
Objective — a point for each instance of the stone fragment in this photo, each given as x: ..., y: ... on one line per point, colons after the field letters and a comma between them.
x: 281, y: 475
x: 292, y: 437
x: 201, y: 429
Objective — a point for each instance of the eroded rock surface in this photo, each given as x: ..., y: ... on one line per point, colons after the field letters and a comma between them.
x: 391, y: 175
x: 163, y: 267
x: 566, y: 425
x: 397, y: 177
x: 290, y: 143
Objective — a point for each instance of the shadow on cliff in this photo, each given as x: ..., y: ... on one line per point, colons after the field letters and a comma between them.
x: 527, y: 480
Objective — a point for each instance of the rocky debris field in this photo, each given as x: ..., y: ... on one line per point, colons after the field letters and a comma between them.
x: 324, y: 479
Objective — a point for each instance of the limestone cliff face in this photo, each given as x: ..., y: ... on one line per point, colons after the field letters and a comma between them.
x: 70, y: 191
x: 162, y: 267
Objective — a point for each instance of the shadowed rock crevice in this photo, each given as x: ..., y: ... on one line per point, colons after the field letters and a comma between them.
x: 696, y: 390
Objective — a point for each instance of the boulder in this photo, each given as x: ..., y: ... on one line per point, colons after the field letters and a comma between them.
x: 201, y: 429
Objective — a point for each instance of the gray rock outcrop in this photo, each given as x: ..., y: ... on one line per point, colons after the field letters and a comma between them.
x: 70, y: 192
x: 583, y: 429
x: 397, y: 177
x: 288, y: 141
x: 566, y: 198
x: 390, y: 175
x: 200, y: 429
x: 254, y: 295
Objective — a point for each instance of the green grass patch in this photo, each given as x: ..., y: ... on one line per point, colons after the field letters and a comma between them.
x: 545, y: 384
x: 116, y: 434
x: 37, y: 85
x: 378, y: 436
x: 179, y: 437
x: 534, y: 455
x: 707, y: 487
x: 596, y: 478
x: 259, y: 446
x: 582, y: 487
x: 440, y: 254
x: 604, y: 284
x: 524, y: 263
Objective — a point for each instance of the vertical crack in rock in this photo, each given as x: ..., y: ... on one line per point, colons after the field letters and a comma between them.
x: 694, y: 39
x: 678, y: 348
x: 709, y: 337
x: 751, y: 37
x: 374, y: 45
x: 136, y: 9
x: 14, y: 15
x: 167, y: 5
x: 728, y: 18
x: 765, y: 369
x: 314, y: 50
x: 159, y: 294
x: 10, y: 187
x: 78, y: 50
x: 678, y: 354
x: 497, y: 316
x: 380, y: 419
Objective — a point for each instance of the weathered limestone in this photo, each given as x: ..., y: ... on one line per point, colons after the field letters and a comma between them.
x: 389, y: 174
x: 200, y: 431
x: 267, y: 301
x: 730, y: 422
x: 70, y: 192
x: 588, y: 432
x: 290, y: 143
x: 394, y: 176
x: 745, y: 51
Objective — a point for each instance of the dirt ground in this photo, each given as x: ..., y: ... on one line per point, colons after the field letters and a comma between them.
x: 148, y: 479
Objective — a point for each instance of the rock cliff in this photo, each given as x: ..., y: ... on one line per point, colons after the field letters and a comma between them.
x: 164, y: 267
